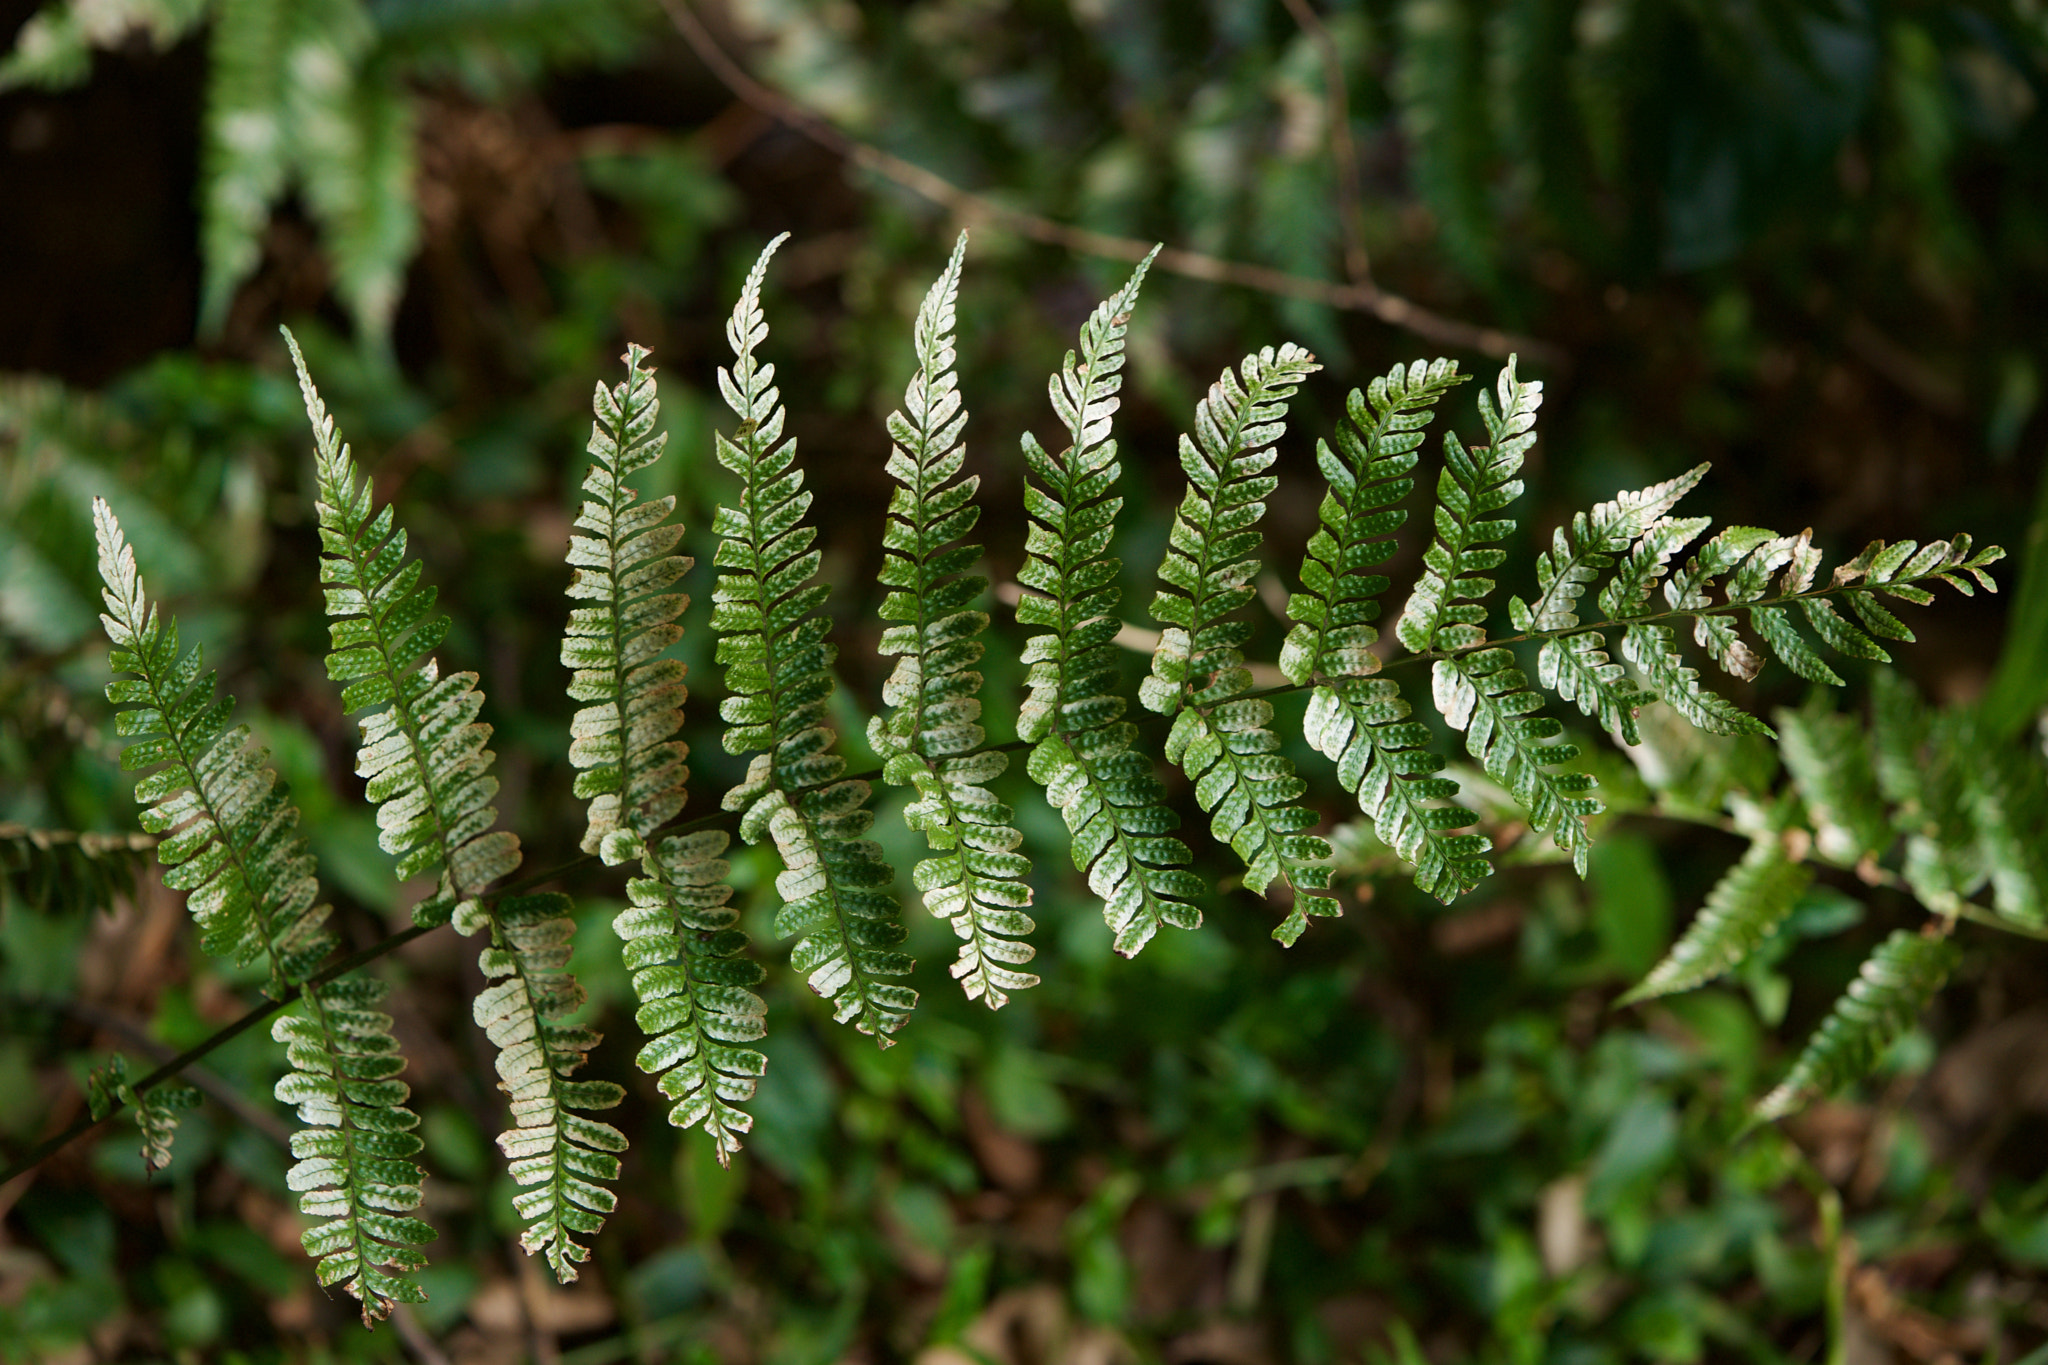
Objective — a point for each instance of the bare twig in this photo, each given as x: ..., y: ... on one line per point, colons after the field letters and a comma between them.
x: 1350, y: 193
x: 1359, y: 296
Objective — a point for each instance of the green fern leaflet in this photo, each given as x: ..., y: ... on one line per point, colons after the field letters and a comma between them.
x: 682, y: 945
x: 1883, y: 1001
x: 836, y: 895
x: 424, y: 758
x: 1082, y: 750
x: 232, y: 842
x: 1222, y: 739
x: 931, y: 740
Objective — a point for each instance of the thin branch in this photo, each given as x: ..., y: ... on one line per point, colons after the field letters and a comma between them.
x: 1337, y: 98
x: 49, y: 1147
x: 135, y: 1035
x: 1360, y: 296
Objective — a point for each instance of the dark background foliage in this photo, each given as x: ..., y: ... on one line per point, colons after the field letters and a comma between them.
x: 1804, y: 239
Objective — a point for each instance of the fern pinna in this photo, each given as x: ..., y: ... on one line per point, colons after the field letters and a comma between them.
x: 1359, y: 722
x: 931, y: 740
x: 1221, y: 738
x: 1082, y: 752
x: 835, y: 888
x: 424, y: 758
x: 232, y: 843
x: 682, y: 945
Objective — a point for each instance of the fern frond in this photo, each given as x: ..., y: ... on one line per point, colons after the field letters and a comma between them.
x: 1106, y: 792
x: 2007, y: 799
x: 931, y: 740
x: 1577, y: 667
x: 352, y: 1158
x: 1920, y: 758
x: 1368, y: 474
x: 1653, y: 649
x: 524, y: 1011
x: 1745, y: 907
x: 294, y: 97
x: 624, y: 738
x: 1628, y: 592
x: 1830, y: 764
x: 230, y: 831
x: 1487, y: 697
x: 1223, y: 741
x: 422, y: 749
x: 1364, y: 726
x: 156, y: 1111
x: 835, y: 886
x: 1444, y: 611
x: 424, y: 758
x: 1686, y: 591
x: 1884, y: 1000
x: 682, y: 945
x: 232, y: 841
x: 1578, y: 554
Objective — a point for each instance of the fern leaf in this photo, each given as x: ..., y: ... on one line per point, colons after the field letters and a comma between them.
x: 1223, y: 741
x: 682, y: 945
x: 1368, y: 474
x: 231, y: 841
x: 1577, y: 668
x: 1830, y: 765
x: 424, y: 758
x: 230, y: 831
x: 1628, y: 592
x: 1883, y: 1001
x: 1686, y: 591
x: 1487, y: 697
x: 294, y: 97
x: 1364, y: 726
x: 2007, y: 796
x: 553, y: 1151
x: 1745, y: 907
x: 422, y: 750
x: 1106, y: 792
x: 1920, y: 761
x: 624, y: 738
x: 1580, y: 553
x: 353, y: 1166
x: 1444, y: 610
x: 156, y: 1112
x: 1654, y: 651
x: 931, y: 740
x: 835, y: 887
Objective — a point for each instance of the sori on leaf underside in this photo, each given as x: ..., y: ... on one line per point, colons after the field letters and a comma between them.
x: 1600, y: 631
